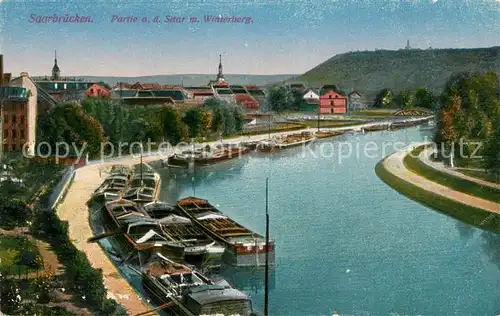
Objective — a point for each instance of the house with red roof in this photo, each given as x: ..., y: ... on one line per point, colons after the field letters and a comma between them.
x: 97, y: 91
x: 332, y: 103
x: 246, y: 101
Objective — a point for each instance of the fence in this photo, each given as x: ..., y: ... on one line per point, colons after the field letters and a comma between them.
x: 59, y: 190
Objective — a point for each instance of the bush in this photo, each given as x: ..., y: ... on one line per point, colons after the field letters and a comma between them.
x: 14, y: 213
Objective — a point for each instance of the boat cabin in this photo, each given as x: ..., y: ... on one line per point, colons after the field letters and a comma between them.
x: 211, y: 299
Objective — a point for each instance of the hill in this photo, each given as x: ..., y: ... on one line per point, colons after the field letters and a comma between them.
x: 370, y: 71
x: 193, y: 80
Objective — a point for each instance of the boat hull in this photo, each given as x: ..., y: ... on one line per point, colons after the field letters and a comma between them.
x: 175, y: 161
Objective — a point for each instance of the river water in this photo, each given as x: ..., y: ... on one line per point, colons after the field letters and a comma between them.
x: 345, y: 241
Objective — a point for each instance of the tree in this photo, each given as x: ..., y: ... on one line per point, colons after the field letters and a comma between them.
x: 492, y: 152
x: 239, y: 118
x: 425, y: 99
x: 193, y: 119
x: 405, y: 99
x: 280, y: 98
x: 383, y: 99
x: 175, y: 130
x: 206, y: 121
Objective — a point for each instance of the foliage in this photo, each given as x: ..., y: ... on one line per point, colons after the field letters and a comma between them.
x: 469, y: 106
x: 425, y: 99
x: 86, y: 282
x: 405, y: 99
x: 492, y: 152
x: 70, y: 124
x: 14, y: 213
x: 19, y: 255
x: 225, y: 118
x: 384, y: 98
x: 175, y: 130
x: 280, y: 98
x: 193, y: 119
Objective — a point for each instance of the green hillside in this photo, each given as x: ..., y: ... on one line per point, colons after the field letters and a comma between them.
x: 369, y: 72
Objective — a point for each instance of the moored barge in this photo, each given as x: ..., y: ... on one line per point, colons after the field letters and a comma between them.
x: 206, y: 156
x: 185, y: 291
x: 243, y: 246
x: 285, y: 142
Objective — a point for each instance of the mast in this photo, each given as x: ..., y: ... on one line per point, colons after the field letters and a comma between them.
x: 266, y: 284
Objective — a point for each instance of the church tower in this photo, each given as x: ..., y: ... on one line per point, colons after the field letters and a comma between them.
x: 56, y: 72
x: 220, y: 75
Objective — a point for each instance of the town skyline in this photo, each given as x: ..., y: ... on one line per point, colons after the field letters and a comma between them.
x: 283, y: 38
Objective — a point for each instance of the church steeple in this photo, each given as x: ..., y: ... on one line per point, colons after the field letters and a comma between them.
x: 56, y: 72
x: 220, y: 75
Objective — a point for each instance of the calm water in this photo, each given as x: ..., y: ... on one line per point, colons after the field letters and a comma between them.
x: 347, y: 242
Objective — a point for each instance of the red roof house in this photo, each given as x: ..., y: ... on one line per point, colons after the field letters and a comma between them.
x: 97, y: 91
x: 333, y: 103
x: 246, y: 101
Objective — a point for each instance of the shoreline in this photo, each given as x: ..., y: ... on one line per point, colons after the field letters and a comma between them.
x: 73, y: 209
x: 470, y: 209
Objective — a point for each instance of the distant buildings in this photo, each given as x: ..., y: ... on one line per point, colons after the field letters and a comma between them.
x: 97, y: 91
x: 61, y: 88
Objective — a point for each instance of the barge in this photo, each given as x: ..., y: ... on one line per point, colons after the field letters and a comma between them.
x: 144, y: 186
x: 185, y: 291
x: 243, y: 246
x: 113, y: 186
x: 205, y: 156
x: 285, y: 142
x: 326, y: 134
x: 172, y: 235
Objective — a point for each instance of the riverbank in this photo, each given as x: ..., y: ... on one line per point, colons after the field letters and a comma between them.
x: 467, y: 208
x: 74, y: 210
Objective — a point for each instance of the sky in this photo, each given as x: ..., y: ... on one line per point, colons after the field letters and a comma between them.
x: 285, y: 36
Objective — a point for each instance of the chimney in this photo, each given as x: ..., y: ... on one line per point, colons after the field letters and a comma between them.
x: 1, y: 69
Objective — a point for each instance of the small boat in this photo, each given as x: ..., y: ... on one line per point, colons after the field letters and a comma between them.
x: 375, y: 128
x: 285, y: 142
x: 144, y: 186
x: 111, y: 189
x: 185, y: 291
x: 243, y: 247
x: 206, y: 156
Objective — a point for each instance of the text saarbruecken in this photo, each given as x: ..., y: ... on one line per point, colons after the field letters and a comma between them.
x: 115, y: 18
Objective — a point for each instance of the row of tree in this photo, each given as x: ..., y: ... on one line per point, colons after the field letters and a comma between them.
x: 95, y: 121
x: 406, y: 99
x: 470, y: 111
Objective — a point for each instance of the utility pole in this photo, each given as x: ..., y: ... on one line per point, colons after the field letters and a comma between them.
x: 142, y: 180
x: 319, y: 105
x: 266, y: 282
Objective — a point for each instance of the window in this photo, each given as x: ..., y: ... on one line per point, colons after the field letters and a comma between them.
x: 14, y: 118
x: 331, y: 103
x: 5, y: 133
x: 55, y: 85
x: 21, y: 119
x: 91, y: 91
x: 22, y: 134
x: 330, y: 96
x: 14, y: 133
x: 65, y: 86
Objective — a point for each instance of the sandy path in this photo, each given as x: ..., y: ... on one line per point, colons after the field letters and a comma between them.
x: 74, y: 210
x: 394, y: 164
x: 439, y: 166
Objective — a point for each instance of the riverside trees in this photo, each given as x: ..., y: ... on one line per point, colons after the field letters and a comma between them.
x: 470, y: 108
x: 95, y: 121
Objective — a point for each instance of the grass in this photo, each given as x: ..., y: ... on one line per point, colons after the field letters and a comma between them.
x: 19, y: 255
x: 467, y: 214
x: 455, y: 183
x: 374, y: 112
x: 481, y: 175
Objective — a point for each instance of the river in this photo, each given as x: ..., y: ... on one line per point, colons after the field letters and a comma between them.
x: 345, y: 241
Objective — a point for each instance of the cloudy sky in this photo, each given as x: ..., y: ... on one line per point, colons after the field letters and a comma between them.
x: 285, y: 36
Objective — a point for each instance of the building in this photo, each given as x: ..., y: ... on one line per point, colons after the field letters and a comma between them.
x: 61, y: 88
x: 356, y: 101
x: 149, y: 97
x: 246, y: 101
x: 18, y: 101
x: 333, y: 103
x: 220, y: 81
x: 97, y: 91
x: 311, y: 95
